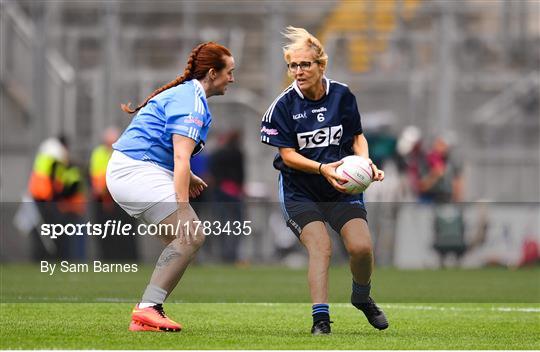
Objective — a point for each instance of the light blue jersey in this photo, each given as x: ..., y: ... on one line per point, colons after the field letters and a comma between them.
x: 179, y: 110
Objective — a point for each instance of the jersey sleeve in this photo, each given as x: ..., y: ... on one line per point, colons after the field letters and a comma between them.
x: 356, y: 119
x: 185, y: 115
x: 275, y: 130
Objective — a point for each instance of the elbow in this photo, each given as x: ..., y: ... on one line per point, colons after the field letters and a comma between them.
x: 288, y: 157
x: 286, y: 162
x: 180, y: 160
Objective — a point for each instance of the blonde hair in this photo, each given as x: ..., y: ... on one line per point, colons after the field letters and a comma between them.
x: 299, y: 38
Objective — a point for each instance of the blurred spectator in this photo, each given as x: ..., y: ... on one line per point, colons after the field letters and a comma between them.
x: 72, y: 207
x: 441, y: 183
x: 45, y: 181
x: 199, y: 166
x: 112, y: 248
x: 227, y: 169
x: 413, y: 159
x: 441, y: 180
x: 530, y: 252
x: 45, y: 187
x: 435, y: 177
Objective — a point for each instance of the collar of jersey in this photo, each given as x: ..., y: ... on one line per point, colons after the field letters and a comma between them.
x: 299, y: 92
x: 199, y: 86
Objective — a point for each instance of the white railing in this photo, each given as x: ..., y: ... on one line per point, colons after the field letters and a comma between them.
x: 18, y: 74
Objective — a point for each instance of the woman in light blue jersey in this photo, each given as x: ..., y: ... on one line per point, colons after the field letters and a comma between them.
x: 149, y: 172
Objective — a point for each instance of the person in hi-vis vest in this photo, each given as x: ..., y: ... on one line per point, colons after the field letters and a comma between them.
x: 46, y: 187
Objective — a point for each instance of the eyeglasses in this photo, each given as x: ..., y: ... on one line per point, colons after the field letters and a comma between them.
x: 304, y: 65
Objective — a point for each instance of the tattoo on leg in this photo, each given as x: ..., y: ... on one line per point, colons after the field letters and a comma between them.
x: 168, y: 254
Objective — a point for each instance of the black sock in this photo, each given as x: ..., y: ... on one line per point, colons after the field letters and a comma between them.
x: 320, y: 312
x: 360, y: 293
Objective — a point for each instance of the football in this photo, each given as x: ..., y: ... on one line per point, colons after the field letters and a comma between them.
x: 357, y: 170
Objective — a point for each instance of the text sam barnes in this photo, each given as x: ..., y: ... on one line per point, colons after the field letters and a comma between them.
x: 96, y: 267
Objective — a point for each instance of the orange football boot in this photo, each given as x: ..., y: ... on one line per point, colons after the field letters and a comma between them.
x: 152, y: 319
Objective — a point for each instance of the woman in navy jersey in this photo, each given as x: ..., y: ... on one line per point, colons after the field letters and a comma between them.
x: 149, y: 171
x: 314, y: 123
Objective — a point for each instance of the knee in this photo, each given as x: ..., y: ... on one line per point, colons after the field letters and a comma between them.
x: 360, y: 250
x: 321, y: 251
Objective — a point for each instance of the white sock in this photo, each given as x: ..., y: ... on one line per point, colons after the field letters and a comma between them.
x: 143, y: 305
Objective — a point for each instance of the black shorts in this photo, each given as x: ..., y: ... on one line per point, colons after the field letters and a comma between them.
x: 300, y: 208
x: 335, y: 214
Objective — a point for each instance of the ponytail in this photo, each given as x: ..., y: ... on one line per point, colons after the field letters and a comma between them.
x: 188, y: 74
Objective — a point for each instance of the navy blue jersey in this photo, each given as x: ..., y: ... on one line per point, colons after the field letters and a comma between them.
x: 321, y: 130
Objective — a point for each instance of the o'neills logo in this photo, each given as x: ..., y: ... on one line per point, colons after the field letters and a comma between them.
x: 269, y: 131
x: 193, y: 120
x: 323, y: 109
x: 299, y: 116
x: 294, y: 225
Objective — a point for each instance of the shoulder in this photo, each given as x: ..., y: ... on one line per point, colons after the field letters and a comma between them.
x: 183, y: 96
x: 281, y: 101
x: 286, y: 96
x: 186, y: 89
x: 174, y: 94
x: 341, y: 92
x: 339, y: 87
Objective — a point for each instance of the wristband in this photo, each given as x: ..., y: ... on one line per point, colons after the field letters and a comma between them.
x: 320, y: 166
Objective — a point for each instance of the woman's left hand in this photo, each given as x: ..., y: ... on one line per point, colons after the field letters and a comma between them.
x: 378, y: 175
x: 196, y: 186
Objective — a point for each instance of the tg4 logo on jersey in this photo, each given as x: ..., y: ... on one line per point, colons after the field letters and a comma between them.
x: 322, y: 137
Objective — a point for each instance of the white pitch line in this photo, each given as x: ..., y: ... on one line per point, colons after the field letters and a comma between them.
x: 340, y: 305
x: 463, y: 309
x: 415, y: 307
x: 397, y: 306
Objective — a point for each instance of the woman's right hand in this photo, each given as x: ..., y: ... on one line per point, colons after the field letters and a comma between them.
x: 329, y: 173
x: 196, y: 186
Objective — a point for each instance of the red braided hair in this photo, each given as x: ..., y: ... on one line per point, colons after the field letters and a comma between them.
x: 201, y: 59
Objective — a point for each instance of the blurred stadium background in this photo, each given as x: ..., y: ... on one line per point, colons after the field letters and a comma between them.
x: 468, y: 70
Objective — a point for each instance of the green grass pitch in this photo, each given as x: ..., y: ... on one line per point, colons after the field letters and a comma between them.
x: 268, y: 308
